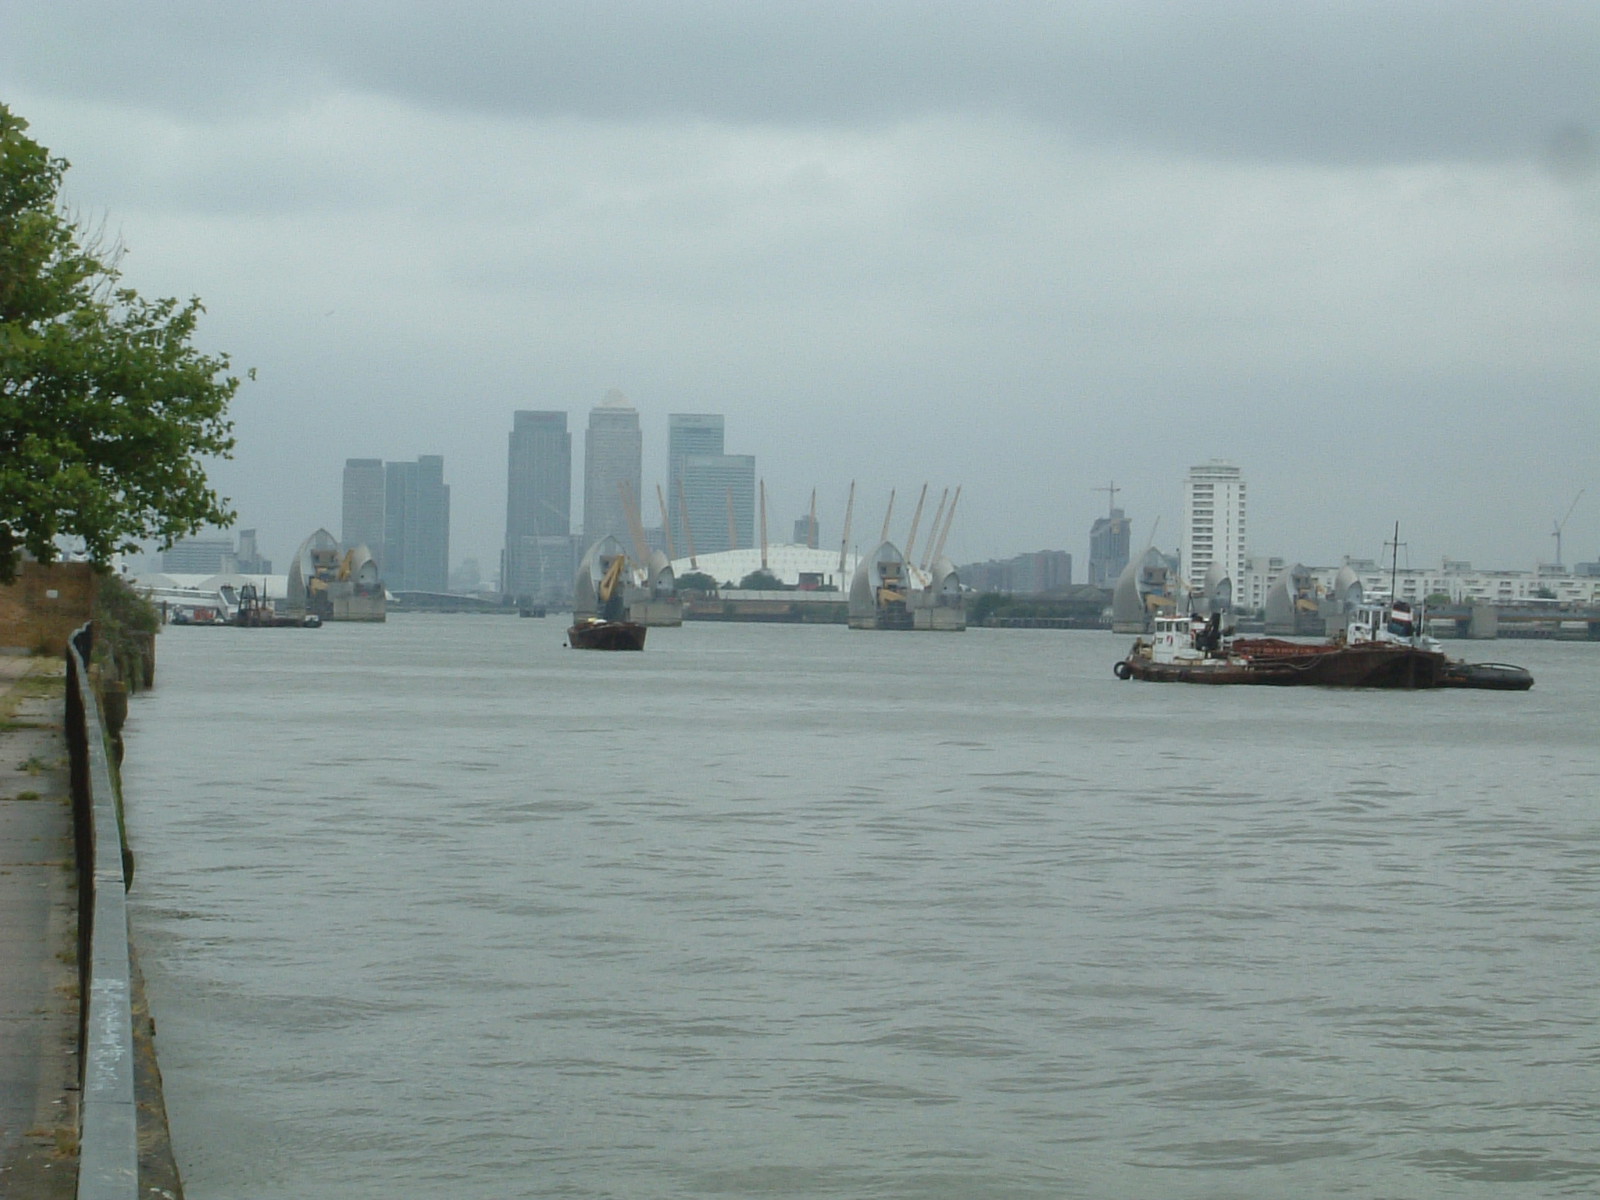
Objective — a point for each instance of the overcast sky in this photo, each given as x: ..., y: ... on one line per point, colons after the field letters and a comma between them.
x: 1029, y: 248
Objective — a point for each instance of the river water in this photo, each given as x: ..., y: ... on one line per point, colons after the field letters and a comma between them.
x: 440, y: 908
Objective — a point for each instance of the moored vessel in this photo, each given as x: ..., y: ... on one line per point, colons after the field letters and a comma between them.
x: 600, y: 612
x: 1382, y: 646
x: 596, y: 633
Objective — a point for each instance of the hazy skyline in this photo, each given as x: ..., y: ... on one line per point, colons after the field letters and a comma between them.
x: 1025, y: 247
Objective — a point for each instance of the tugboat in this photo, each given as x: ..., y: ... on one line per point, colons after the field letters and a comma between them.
x: 610, y: 629
x: 1382, y: 646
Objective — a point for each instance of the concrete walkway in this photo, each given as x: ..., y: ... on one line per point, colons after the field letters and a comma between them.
x: 38, y: 937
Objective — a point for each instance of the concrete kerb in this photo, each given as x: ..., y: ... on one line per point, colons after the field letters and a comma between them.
x: 108, y: 1151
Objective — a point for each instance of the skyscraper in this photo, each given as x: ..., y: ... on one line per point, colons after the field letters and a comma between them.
x: 362, y: 523
x: 1214, y: 522
x: 538, y: 555
x: 1108, y: 548
x: 416, y: 526
x: 719, y: 491
x: 688, y: 433
x: 613, y: 452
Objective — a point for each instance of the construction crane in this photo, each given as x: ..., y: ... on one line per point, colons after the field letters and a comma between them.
x: 609, y: 592
x: 1562, y: 524
x: 1111, y: 489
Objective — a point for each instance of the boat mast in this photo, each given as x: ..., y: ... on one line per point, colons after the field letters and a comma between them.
x: 1394, y: 562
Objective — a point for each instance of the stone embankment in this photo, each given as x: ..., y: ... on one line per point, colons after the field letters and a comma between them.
x: 52, y: 1051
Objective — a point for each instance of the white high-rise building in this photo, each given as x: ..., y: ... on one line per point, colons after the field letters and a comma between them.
x: 1214, y: 522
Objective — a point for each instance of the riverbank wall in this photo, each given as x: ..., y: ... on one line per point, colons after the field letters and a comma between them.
x: 82, y: 1113
x: 124, y: 1145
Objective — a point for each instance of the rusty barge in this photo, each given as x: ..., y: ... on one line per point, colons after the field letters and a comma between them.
x: 1382, y: 647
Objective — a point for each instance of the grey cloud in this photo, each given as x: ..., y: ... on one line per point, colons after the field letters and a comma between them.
x: 1354, y: 82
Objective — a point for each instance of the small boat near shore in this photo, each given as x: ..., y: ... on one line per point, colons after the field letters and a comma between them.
x: 1381, y: 647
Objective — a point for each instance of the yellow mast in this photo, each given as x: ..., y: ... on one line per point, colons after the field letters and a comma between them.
x: 763, y: 524
x: 916, y: 519
x: 933, y: 530
x: 666, y: 528
x: 688, y: 531
x: 844, y: 541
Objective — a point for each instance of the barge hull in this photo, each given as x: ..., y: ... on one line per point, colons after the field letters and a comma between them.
x: 606, y: 635
x: 1307, y: 666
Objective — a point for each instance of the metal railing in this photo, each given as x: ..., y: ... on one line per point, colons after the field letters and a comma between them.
x: 108, y: 1142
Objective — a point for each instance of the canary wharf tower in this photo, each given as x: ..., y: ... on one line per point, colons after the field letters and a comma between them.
x: 538, y: 550
x: 613, y: 453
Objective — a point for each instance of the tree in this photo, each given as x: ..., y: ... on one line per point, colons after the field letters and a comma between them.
x: 106, y: 408
x: 761, y: 580
x: 696, y: 581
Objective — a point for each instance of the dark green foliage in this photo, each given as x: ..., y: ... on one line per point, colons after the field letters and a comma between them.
x: 984, y: 607
x: 125, y: 625
x: 761, y: 580
x: 696, y: 581
x: 1085, y: 604
x: 105, y: 407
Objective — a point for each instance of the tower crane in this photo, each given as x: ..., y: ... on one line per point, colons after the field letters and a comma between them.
x: 1562, y: 524
x: 1111, y: 489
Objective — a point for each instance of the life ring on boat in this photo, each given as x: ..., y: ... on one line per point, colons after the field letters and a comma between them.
x: 1121, y: 669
